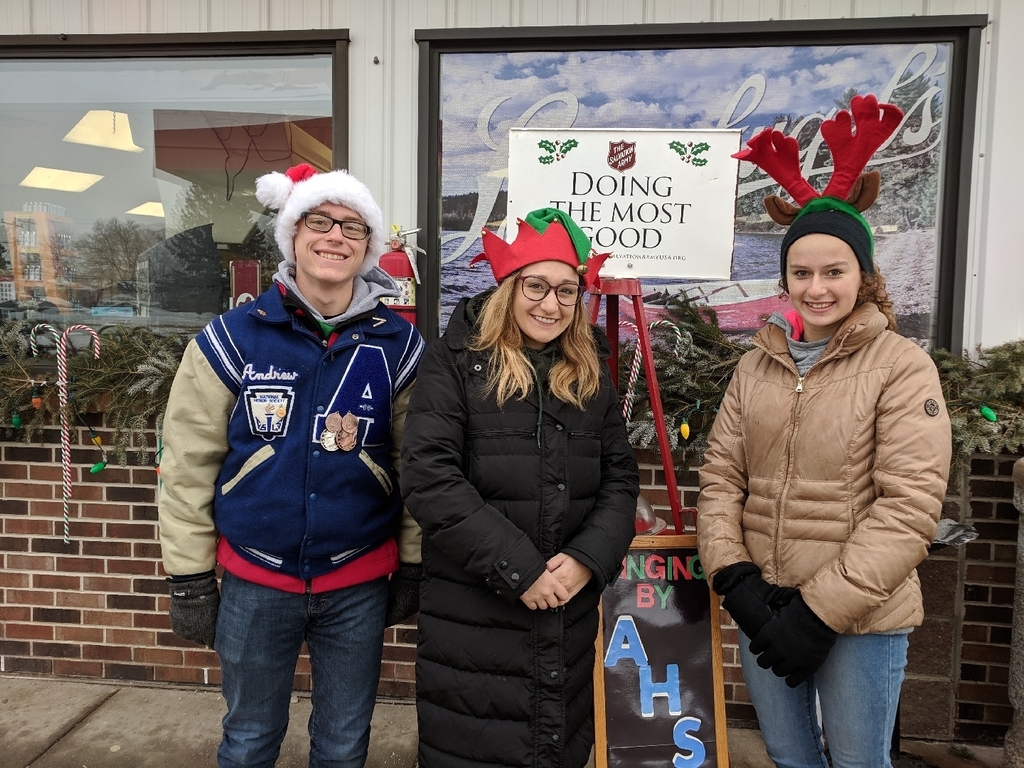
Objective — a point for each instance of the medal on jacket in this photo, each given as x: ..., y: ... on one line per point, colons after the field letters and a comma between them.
x: 339, y: 432
x: 328, y: 440
x: 347, y: 438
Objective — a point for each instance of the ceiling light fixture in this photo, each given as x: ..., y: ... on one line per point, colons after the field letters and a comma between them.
x: 148, y: 209
x: 104, y: 128
x: 62, y: 181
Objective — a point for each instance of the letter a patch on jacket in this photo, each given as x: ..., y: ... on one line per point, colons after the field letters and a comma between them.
x: 269, y: 409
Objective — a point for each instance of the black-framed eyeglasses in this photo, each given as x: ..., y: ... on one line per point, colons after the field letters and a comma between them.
x: 319, y: 222
x: 537, y: 288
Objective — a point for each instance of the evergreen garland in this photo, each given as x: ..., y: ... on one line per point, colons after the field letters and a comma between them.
x: 994, y: 383
x: 694, y: 361
x: 693, y: 375
x: 130, y: 383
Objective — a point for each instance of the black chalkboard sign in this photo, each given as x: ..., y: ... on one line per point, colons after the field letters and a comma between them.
x: 659, y: 693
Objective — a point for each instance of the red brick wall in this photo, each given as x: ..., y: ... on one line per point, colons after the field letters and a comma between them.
x: 958, y: 666
x: 97, y: 607
x: 983, y: 710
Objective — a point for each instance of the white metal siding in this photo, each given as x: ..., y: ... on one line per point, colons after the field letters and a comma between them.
x: 384, y: 110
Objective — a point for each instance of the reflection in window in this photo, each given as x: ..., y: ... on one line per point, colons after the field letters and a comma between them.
x: 130, y: 198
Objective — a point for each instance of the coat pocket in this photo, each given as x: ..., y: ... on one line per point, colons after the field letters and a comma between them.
x: 378, y: 471
x: 262, y: 455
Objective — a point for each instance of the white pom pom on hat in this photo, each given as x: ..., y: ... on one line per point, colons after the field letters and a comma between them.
x: 301, y: 187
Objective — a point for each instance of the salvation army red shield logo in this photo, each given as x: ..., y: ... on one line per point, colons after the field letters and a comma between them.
x: 621, y: 155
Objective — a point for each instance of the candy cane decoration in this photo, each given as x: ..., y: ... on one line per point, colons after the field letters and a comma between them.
x: 65, y: 421
x: 35, y: 332
x: 634, y: 372
x: 634, y: 367
x: 675, y: 328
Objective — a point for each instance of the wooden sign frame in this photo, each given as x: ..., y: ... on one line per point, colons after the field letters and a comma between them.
x: 719, y: 756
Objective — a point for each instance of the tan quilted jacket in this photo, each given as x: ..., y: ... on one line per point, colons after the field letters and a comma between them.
x: 833, y: 482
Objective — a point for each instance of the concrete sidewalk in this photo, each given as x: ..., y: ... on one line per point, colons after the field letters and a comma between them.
x: 52, y: 723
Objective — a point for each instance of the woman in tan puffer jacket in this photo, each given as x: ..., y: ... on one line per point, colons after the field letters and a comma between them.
x: 821, y: 489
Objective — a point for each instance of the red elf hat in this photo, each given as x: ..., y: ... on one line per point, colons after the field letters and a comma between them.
x: 546, y: 234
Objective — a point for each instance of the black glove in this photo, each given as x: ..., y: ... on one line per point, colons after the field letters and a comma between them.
x: 749, y: 599
x: 194, y: 604
x: 403, y: 593
x: 794, y: 643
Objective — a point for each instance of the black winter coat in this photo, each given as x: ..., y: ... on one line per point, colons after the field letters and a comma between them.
x: 497, y: 495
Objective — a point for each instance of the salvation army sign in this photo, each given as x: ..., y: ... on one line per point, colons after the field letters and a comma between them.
x: 663, y: 202
x: 659, y: 688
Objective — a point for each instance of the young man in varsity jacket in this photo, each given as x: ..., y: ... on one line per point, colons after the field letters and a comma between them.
x: 281, y: 439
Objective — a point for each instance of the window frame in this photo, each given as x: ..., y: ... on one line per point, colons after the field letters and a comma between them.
x: 207, y: 45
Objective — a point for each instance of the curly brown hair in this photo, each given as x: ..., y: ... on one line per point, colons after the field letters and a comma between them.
x: 872, y: 288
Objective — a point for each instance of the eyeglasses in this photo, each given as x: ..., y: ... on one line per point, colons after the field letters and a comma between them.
x: 537, y: 289
x: 353, y: 230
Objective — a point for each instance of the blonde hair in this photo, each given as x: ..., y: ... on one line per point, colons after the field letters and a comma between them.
x: 575, y: 378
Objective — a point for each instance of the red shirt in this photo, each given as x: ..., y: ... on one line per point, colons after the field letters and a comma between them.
x: 382, y: 561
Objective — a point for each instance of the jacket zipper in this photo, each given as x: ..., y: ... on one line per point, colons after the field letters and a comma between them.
x: 799, y: 388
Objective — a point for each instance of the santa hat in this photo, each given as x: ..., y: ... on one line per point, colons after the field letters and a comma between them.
x: 301, y: 188
x: 547, y: 234
x: 852, y: 137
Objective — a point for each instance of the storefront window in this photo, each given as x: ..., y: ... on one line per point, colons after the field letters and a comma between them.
x: 127, y: 185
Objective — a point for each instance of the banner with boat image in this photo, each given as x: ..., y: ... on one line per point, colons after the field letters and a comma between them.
x: 485, y: 94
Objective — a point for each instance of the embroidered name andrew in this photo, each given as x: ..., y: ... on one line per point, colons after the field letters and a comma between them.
x: 272, y: 374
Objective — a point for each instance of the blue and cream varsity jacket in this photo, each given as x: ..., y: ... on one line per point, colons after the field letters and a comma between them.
x: 245, y: 451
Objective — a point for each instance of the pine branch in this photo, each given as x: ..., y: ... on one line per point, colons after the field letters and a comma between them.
x: 695, y: 361
x: 129, y: 384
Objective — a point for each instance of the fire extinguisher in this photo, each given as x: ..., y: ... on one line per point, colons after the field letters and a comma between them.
x: 400, y: 263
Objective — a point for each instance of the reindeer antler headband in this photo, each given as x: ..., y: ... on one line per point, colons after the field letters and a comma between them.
x: 852, y: 140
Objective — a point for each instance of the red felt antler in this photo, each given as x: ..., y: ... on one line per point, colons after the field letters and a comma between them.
x: 851, y: 151
x: 778, y: 155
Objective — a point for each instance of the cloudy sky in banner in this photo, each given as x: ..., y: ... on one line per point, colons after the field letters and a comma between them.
x: 486, y: 94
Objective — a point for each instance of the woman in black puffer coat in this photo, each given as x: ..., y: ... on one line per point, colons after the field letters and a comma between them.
x: 517, y: 467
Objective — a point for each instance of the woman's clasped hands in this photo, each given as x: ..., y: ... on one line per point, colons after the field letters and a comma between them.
x: 564, y: 577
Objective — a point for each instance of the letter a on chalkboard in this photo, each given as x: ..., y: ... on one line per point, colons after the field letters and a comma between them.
x: 625, y: 644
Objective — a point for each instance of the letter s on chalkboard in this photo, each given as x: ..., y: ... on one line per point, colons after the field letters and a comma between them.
x: 681, y: 735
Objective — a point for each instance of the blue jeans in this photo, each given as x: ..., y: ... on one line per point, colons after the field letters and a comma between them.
x: 259, y: 634
x: 858, y: 687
